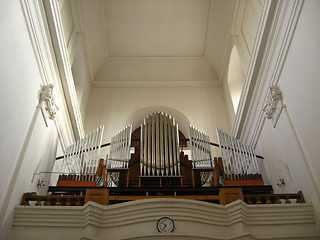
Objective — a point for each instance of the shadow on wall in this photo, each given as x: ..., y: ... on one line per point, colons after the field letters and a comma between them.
x: 136, y: 117
x: 235, y: 77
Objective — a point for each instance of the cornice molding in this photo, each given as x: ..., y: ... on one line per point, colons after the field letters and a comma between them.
x: 64, y: 65
x: 35, y: 19
x: 217, y: 219
x: 275, y: 32
x: 163, y: 83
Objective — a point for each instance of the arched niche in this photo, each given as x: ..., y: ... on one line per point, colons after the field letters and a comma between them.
x: 235, y: 77
x: 136, y: 117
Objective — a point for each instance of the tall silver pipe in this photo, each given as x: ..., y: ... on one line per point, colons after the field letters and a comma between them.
x: 242, y: 159
x: 243, y: 147
x: 161, y: 147
x: 119, y: 154
x: 162, y: 151
x: 166, y: 147
x: 254, y: 161
x: 153, y: 143
x: 129, y: 131
x: 178, y: 150
x: 225, y: 158
x: 170, y: 146
x: 150, y: 173
x: 221, y: 148
x: 142, y: 163
x: 200, y: 148
x: 89, y: 159
x: 240, y: 156
x: 157, y: 144
x: 235, y: 154
x: 145, y: 148
x: 191, y: 143
x: 174, y: 149
x: 81, y: 157
x: 229, y: 153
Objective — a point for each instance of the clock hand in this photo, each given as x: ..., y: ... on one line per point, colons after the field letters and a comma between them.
x: 165, y: 225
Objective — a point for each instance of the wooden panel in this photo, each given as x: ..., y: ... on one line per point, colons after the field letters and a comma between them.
x: 258, y: 182
x: 228, y: 195
x: 134, y: 169
x: 194, y: 197
x: 186, y: 170
x: 76, y: 183
x: 100, y: 196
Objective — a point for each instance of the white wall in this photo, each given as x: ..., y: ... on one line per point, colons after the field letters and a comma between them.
x: 245, y: 27
x: 291, y: 149
x: 243, y: 35
x: 81, y: 75
x: 204, y: 107
x: 219, y: 24
x: 24, y: 138
x: 235, y: 77
x: 77, y: 52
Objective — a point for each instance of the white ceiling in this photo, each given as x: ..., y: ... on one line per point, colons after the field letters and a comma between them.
x: 156, y: 41
x: 142, y: 28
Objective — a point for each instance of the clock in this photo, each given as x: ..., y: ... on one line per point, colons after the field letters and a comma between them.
x: 165, y: 224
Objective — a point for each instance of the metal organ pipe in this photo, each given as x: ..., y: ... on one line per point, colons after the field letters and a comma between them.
x: 201, y: 153
x: 82, y: 157
x: 200, y: 148
x: 119, y: 154
x: 238, y: 158
x: 159, y: 144
x: 165, y: 142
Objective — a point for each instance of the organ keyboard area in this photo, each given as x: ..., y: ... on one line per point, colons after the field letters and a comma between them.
x: 153, y: 156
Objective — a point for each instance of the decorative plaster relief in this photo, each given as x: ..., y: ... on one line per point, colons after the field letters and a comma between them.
x: 47, y: 103
x: 274, y: 104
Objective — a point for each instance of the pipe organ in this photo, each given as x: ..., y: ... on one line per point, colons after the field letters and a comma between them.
x: 239, y: 160
x: 200, y: 149
x: 119, y: 154
x: 202, y: 161
x: 159, y: 146
x: 153, y: 156
x: 81, y: 159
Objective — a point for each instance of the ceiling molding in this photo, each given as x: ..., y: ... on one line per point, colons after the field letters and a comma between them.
x: 154, y: 71
x: 207, y: 28
x: 227, y: 52
x: 80, y: 33
x: 162, y: 83
x: 219, y: 36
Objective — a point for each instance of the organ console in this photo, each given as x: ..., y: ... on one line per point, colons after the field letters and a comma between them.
x: 154, y: 155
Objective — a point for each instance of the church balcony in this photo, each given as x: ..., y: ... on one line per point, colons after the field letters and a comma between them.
x: 138, y: 220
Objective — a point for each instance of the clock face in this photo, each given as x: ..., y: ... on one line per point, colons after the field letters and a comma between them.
x: 165, y: 224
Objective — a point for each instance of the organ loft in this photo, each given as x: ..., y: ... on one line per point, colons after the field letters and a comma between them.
x: 157, y: 160
x: 146, y: 69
